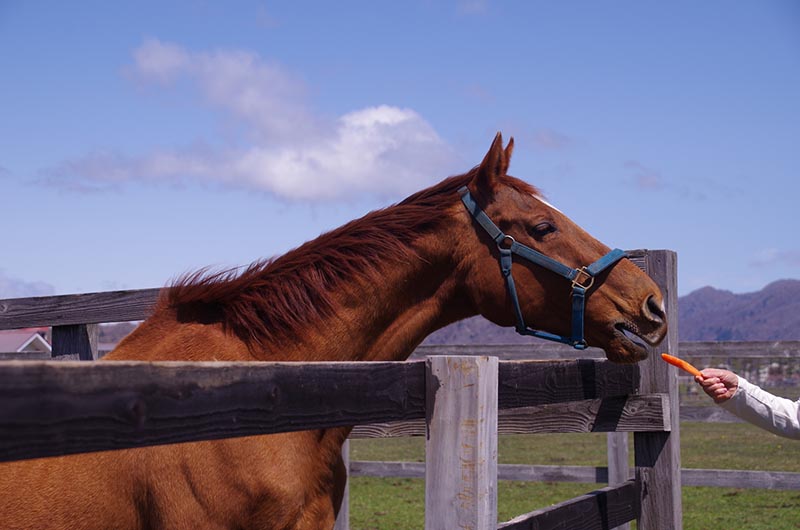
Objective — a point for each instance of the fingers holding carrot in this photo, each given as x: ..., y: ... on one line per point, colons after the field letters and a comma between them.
x: 720, y: 385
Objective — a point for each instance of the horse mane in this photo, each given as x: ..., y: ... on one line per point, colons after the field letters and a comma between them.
x: 276, y: 298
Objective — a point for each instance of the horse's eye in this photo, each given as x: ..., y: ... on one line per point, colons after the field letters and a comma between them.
x: 541, y: 230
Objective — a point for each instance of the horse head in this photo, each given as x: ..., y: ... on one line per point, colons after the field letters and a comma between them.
x: 526, y: 264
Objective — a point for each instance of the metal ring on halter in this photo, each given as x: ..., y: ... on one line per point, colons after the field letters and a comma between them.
x: 507, y: 240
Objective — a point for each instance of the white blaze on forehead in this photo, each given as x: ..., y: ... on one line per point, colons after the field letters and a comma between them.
x: 540, y: 199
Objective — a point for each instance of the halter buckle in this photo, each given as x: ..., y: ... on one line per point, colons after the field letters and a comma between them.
x: 583, y: 276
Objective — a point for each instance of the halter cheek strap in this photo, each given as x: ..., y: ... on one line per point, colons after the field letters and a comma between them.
x: 582, y: 278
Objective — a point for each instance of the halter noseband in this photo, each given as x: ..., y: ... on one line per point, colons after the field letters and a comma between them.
x: 582, y: 278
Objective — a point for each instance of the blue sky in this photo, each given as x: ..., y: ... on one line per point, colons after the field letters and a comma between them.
x: 143, y: 140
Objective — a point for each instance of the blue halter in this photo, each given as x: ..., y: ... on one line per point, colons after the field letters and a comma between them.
x: 582, y: 278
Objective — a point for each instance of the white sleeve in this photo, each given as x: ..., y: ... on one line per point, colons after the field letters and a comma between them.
x: 775, y: 414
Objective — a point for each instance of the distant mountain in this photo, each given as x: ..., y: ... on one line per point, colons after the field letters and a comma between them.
x: 772, y: 313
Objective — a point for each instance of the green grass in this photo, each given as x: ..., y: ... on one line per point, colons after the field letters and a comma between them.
x: 736, y: 446
x: 748, y: 509
x: 389, y: 504
x: 399, y: 503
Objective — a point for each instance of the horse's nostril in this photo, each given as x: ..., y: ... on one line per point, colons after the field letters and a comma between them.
x: 654, y: 310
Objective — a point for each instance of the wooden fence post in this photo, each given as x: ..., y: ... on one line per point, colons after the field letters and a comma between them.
x: 461, y: 447
x: 658, y: 457
x: 343, y: 518
x: 80, y: 339
x: 618, y: 465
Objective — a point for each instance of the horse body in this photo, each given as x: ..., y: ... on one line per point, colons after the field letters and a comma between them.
x: 369, y: 291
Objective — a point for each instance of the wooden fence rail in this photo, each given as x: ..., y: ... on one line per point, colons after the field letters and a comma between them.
x: 718, y: 478
x: 605, y: 508
x: 71, y: 407
x: 77, y: 309
x: 139, y: 418
x: 789, y: 349
x: 63, y: 408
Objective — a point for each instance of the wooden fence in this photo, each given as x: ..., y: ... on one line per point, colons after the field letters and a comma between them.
x: 704, y: 353
x: 455, y: 399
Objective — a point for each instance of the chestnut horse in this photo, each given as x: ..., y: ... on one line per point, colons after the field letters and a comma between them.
x: 371, y: 290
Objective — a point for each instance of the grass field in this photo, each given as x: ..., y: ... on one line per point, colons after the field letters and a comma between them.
x: 399, y: 503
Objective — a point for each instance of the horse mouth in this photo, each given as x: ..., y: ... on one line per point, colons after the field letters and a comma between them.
x: 633, y: 341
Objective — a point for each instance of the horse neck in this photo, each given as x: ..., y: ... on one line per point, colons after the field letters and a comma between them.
x: 385, y: 317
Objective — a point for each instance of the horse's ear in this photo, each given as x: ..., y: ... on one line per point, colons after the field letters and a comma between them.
x: 494, y: 166
x: 509, y: 150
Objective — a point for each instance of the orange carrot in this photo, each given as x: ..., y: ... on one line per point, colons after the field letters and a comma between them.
x: 680, y: 363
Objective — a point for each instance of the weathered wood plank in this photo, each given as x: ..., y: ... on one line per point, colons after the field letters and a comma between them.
x: 712, y: 413
x: 394, y: 429
x: 539, y: 473
x: 461, y: 447
x: 79, y: 391
x: 69, y: 407
x: 518, y: 472
x: 24, y: 356
x: 89, y: 308
x: 343, y: 517
x: 640, y: 413
x: 528, y: 383
x: 724, y: 478
x: 618, y: 462
x: 657, y: 454
x: 599, y: 510
x: 638, y: 257
x: 735, y: 478
x: 367, y: 468
x: 614, y: 414
x: 540, y: 350
x: 625, y: 414
x: 617, y: 455
x: 77, y: 339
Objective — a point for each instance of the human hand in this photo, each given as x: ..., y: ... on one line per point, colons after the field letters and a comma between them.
x: 720, y: 385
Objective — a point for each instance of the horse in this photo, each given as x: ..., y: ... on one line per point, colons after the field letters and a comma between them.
x: 370, y: 290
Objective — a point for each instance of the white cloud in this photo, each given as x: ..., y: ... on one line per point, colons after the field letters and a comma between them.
x: 160, y: 61
x: 16, y: 288
x: 261, y: 94
x: 293, y: 152
x: 378, y: 149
